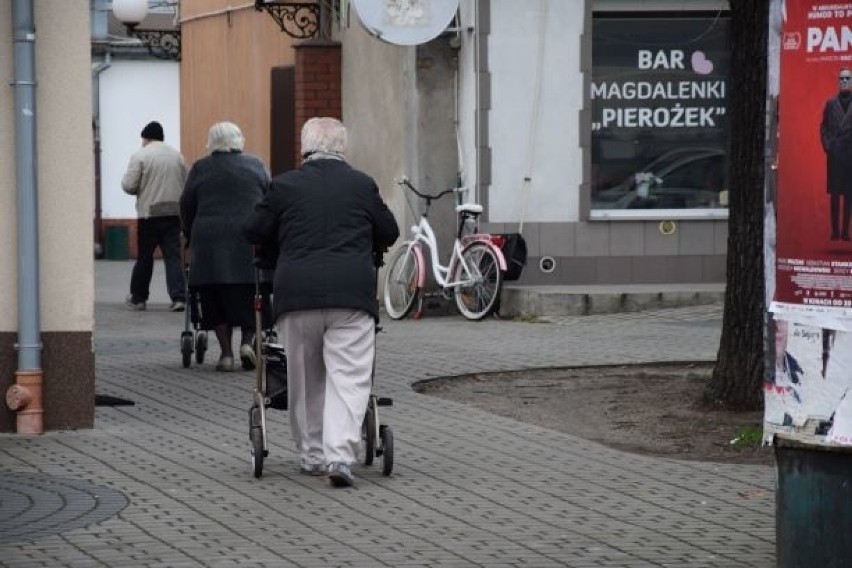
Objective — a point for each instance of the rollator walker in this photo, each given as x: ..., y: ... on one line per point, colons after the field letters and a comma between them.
x: 270, y: 390
x: 193, y: 339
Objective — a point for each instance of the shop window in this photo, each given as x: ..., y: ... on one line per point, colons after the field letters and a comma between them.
x: 659, y: 98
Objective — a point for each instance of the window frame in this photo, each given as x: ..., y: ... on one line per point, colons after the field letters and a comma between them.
x: 717, y: 10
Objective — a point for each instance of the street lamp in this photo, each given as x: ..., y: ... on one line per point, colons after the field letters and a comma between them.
x: 162, y: 44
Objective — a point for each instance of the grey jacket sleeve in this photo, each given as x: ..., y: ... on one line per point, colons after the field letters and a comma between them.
x: 132, y: 176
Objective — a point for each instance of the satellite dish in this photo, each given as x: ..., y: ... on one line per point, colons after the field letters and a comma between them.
x: 406, y: 22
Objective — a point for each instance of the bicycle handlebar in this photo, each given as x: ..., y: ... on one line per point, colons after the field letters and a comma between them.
x: 404, y: 181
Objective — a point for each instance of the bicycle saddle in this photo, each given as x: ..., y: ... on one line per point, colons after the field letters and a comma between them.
x: 472, y: 208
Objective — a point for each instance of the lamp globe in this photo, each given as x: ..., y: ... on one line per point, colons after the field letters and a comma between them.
x: 130, y: 12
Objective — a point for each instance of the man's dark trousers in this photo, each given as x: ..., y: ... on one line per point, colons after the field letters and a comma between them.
x: 163, y: 232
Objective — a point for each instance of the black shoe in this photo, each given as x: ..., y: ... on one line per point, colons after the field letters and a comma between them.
x: 134, y: 305
x: 844, y: 236
x: 340, y: 475
x: 834, y: 236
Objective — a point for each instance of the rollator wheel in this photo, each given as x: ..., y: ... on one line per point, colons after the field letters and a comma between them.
x: 256, y: 436
x: 186, y: 349
x: 368, y: 434
x: 200, y: 346
x: 387, y: 450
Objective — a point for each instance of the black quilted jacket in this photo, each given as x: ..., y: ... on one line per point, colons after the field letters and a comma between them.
x: 326, y: 219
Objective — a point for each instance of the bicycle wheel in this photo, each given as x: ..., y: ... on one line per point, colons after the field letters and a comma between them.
x: 479, y: 293
x: 401, y: 288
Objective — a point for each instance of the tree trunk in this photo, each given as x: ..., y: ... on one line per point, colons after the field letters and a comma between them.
x: 737, y: 380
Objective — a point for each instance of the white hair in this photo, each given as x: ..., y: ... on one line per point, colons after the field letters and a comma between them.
x: 324, y: 134
x: 225, y: 137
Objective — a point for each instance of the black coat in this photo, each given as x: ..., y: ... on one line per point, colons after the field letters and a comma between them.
x: 326, y: 219
x: 220, y: 193
x: 836, y: 136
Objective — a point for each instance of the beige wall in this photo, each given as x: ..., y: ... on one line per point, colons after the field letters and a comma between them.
x: 378, y: 110
x: 226, y: 63
x: 8, y: 236
x: 65, y: 186
x: 227, y: 57
x: 65, y: 174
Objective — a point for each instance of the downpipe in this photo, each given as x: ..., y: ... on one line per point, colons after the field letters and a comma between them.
x: 25, y: 396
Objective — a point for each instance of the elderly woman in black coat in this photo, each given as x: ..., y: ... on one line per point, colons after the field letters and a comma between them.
x: 220, y: 193
x: 327, y: 220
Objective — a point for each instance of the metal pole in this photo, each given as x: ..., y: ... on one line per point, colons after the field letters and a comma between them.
x: 96, y: 130
x: 29, y: 336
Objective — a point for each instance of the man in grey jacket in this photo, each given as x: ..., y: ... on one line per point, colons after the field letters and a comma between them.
x: 156, y: 175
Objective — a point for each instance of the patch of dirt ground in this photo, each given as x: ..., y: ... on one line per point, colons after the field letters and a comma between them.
x: 646, y: 409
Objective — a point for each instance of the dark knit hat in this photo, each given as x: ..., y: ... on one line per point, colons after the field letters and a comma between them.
x: 153, y: 131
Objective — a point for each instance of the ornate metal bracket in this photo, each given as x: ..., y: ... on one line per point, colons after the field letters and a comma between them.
x: 299, y: 20
x: 162, y: 44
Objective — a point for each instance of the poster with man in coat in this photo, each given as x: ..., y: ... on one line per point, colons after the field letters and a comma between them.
x: 813, y: 246
x: 835, y: 132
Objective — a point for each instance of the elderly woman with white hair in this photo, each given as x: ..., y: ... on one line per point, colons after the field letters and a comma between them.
x: 327, y: 220
x: 220, y: 193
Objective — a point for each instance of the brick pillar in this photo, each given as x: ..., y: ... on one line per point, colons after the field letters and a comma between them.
x: 317, y: 86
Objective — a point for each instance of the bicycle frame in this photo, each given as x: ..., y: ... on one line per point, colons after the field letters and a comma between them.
x: 473, y: 274
x: 422, y: 234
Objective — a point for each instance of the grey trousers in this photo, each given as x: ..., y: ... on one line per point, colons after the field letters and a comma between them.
x: 329, y: 368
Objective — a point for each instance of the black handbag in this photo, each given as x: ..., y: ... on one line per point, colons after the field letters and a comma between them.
x: 276, y: 378
x: 515, y: 251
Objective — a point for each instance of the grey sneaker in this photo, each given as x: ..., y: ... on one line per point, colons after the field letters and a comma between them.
x: 177, y: 306
x: 134, y: 305
x: 312, y: 469
x: 340, y: 475
x: 225, y: 364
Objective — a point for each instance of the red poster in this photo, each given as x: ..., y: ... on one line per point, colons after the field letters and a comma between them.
x: 814, y: 199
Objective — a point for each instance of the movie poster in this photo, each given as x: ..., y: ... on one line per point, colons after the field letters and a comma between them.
x: 814, y: 250
x: 812, y: 304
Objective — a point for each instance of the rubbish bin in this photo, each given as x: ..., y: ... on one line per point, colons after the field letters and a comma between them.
x: 813, y: 504
x: 116, y: 246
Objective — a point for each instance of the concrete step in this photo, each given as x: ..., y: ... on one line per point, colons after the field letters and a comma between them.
x: 533, y: 301
x: 525, y: 301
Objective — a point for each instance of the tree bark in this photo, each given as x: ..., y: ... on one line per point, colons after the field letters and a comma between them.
x: 737, y: 379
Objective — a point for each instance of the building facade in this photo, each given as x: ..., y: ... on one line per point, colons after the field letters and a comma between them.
x: 232, y: 61
x: 64, y: 180
x: 547, y: 111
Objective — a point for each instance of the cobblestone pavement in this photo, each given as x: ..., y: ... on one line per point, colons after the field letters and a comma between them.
x: 167, y: 482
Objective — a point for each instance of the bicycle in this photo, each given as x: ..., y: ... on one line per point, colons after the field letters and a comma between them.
x: 474, y: 273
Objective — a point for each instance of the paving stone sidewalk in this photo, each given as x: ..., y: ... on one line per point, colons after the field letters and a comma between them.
x: 168, y: 483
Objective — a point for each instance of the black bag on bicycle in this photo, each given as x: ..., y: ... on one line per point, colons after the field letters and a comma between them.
x: 276, y: 378
x: 514, y: 249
